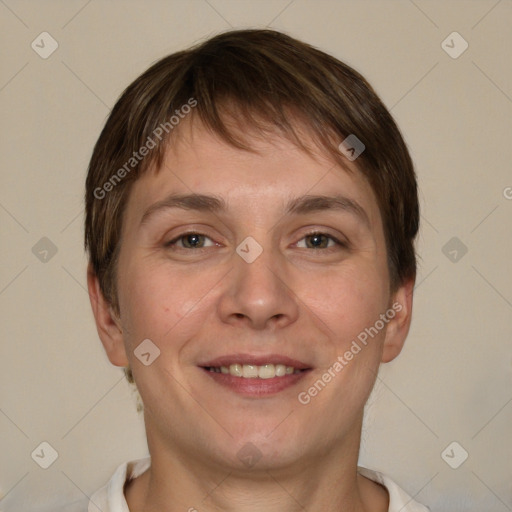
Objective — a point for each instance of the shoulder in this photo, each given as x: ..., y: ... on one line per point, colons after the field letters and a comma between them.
x: 110, y: 498
x: 399, y: 500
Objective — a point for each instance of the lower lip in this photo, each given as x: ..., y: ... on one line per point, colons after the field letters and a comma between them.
x: 256, y: 387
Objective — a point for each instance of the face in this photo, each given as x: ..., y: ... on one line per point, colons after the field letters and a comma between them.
x: 261, y: 281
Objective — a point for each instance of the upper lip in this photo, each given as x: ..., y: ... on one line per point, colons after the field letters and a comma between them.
x: 257, y: 360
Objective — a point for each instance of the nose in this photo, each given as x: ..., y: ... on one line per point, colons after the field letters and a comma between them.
x: 256, y: 294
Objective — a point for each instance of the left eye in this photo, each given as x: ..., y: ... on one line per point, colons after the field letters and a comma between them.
x: 317, y: 241
x: 192, y: 241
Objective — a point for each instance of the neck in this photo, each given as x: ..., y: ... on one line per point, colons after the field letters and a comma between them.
x: 328, y: 482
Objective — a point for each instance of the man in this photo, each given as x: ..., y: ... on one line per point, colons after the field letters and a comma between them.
x: 251, y: 210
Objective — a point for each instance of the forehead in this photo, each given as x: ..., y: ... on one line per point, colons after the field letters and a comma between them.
x: 275, y: 170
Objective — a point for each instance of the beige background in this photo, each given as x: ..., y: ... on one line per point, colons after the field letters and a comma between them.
x: 453, y: 381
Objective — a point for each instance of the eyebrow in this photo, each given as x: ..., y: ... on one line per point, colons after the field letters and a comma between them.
x: 298, y: 206
x: 314, y: 203
x: 198, y: 202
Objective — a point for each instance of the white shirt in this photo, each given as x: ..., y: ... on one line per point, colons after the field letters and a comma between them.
x: 111, y: 497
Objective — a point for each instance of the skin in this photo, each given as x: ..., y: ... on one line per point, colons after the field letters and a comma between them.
x: 199, y: 303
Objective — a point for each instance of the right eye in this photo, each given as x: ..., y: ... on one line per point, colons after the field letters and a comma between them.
x: 191, y: 240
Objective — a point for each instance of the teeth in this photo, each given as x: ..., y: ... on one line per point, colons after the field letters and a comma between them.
x: 252, y: 371
x: 249, y: 371
x: 235, y: 370
x: 281, y: 370
x: 267, y: 371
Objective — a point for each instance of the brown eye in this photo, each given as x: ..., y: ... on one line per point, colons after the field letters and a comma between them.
x: 191, y: 241
x: 317, y: 241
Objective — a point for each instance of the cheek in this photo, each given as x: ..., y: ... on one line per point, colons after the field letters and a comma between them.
x: 346, y: 301
x: 155, y: 299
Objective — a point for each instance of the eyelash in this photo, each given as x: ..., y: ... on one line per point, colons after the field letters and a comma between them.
x: 344, y: 245
x: 172, y: 242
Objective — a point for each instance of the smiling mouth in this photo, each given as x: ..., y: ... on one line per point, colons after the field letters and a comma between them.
x: 252, y: 371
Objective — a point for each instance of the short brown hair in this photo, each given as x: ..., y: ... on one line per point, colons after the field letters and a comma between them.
x: 268, y: 81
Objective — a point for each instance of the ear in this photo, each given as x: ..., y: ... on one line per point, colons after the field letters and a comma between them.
x: 398, y: 327
x: 108, y: 324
